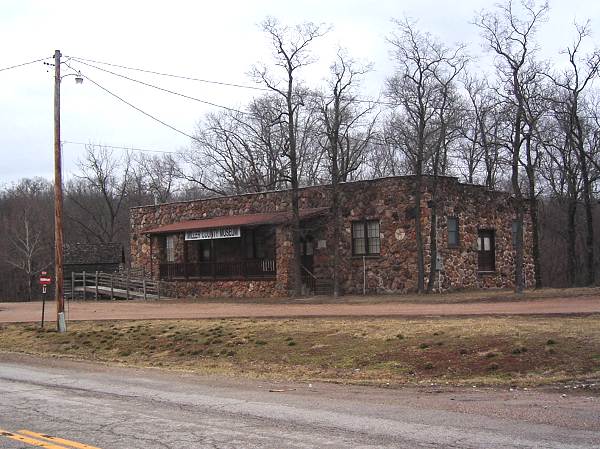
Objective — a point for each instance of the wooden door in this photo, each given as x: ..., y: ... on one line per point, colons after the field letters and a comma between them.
x: 486, y: 251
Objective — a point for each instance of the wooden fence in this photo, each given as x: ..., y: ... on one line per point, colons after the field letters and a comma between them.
x: 122, y: 284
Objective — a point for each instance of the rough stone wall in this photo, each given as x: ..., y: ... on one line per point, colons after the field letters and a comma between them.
x: 222, y: 289
x: 389, y: 200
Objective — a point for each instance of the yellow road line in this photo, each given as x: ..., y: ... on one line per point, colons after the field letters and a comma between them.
x: 58, y: 440
x: 30, y: 441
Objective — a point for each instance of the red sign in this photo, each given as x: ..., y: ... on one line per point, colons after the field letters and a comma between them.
x: 45, y: 279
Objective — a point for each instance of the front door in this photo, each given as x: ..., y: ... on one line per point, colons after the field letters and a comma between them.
x: 307, y: 251
x: 486, y: 251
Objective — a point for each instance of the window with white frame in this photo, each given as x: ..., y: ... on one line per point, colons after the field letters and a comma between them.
x: 170, y: 248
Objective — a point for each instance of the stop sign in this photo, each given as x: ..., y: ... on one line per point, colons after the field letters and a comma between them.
x: 45, y: 279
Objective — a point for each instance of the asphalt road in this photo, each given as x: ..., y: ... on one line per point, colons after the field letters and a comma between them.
x: 89, y: 405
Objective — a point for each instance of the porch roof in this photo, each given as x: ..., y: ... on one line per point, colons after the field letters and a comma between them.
x: 235, y: 220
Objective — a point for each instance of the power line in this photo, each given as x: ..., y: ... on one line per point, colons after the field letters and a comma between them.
x: 221, y: 83
x: 24, y: 64
x: 358, y: 100
x: 136, y: 108
x: 189, y: 78
x: 146, y: 150
x: 163, y: 89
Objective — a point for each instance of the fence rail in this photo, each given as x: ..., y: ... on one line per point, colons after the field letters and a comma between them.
x: 244, y: 269
x: 120, y: 284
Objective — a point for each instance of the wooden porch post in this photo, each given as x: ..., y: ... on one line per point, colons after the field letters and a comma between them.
x: 185, y: 258
x: 212, y: 258
x: 151, y: 257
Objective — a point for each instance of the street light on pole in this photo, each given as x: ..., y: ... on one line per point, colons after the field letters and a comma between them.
x: 58, y: 200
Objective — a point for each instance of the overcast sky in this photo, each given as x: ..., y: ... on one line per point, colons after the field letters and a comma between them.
x: 217, y: 40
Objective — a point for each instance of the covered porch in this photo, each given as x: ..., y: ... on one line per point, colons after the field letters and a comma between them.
x: 233, y: 247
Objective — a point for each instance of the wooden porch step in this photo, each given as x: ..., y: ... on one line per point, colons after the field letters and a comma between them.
x: 323, y: 286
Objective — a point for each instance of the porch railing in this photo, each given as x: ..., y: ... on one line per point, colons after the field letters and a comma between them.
x: 243, y: 269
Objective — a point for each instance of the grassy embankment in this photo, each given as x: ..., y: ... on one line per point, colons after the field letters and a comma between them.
x: 484, y: 350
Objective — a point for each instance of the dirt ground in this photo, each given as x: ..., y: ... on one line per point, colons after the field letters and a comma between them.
x: 493, y: 350
x: 121, y: 310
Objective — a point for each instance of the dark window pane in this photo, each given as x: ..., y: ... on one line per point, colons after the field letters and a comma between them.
x: 374, y: 246
x: 514, y: 230
x: 452, y: 231
x: 358, y: 229
x: 373, y: 229
x: 359, y: 246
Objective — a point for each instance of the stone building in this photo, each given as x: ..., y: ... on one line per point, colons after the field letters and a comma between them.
x: 241, y: 245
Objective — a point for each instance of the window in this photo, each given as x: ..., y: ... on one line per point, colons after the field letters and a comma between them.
x: 365, y: 238
x: 170, y: 248
x: 514, y: 230
x: 452, y: 231
x: 486, y: 251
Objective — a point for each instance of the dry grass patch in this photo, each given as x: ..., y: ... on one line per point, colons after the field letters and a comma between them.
x: 505, y: 350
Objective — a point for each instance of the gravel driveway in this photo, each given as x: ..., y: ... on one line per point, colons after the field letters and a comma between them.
x: 121, y: 310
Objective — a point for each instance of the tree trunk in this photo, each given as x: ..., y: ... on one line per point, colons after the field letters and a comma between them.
x: 433, y: 249
x: 519, y: 209
x: 571, y: 236
x: 589, y: 237
x: 335, y: 211
x: 533, y: 214
x: 589, y: 220
x: 297, y: 268
x: 419, y: 234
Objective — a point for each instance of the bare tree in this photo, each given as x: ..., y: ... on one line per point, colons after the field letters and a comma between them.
x: 96, y: 200
x: 156, y: 175
x: 509, y: 34
x: 290, y: 53
x: 481, y: 128
x: 572, y: 84
x: 421, y: 87
x: 26, y: 222
x: 345, y: 137
x: 235, y: 152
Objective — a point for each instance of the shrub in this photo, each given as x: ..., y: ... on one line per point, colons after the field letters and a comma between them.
x: 493, y: 367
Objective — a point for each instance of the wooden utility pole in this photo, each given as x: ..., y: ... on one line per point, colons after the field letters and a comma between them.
x: 58, y: 202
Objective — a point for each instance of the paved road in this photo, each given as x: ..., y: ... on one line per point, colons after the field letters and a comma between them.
x: 120, y: 408
x: 116, y: 310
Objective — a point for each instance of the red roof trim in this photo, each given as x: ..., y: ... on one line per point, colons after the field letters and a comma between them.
x: 235, y: 220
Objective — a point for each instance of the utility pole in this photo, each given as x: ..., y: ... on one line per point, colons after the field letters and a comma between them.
x: 58, y: 203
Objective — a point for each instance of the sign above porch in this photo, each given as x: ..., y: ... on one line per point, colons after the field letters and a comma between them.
x: 210, y: 234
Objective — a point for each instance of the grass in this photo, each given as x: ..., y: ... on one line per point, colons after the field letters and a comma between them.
x: 457, y: 351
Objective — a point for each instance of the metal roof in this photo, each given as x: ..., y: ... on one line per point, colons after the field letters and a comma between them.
x: 92, y: 253
x: 235, y: 220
